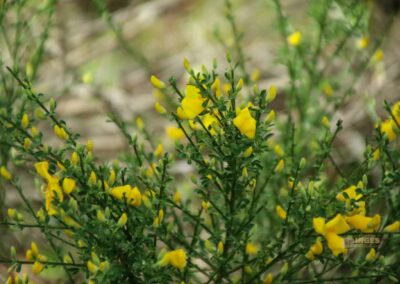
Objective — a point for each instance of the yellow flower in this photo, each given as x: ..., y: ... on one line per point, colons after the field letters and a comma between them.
x: 159, y: 108
x: 270, y: 116
x: 5, y: 173
x: 42, y: 168
x: 220, y: 247
x: 29, y: 255
x: 132, y: 195
x: 255, y: 75
x: 278, y: 150
x: 251, y: 249
x: 68, y: 185
x: 216, y: 87
x: 378, y: 55
x: 186, y: 64
x: 248, y: 152
x: 74, y: 158
x: 139, y: 123
x: 89, y: 145
x: 280, y: 166
x: 25, y: 120
x: 325, y: 122
x: 92, y: 267
x: 92, y: 178
x: 396, y: 112
x: 363, y: 42
x: 157, y: 83
x: 327, y: 89
x: 281, y: 212
x: 376, y: 154
x: 177, y: 258
x: 294, y: 39
x: 370, y: 255
x: 351, y: 194
x: 331, y: 230
x: 87, y: 78
x: 34, y: 131
x: 387, y: 128
x: 336, y: 243
x: 245, y: 123
x: 60, y: 132
x: 317, y: 247
x: 192, y: 103
x: 37, y: 267
x: 112, y: 176
x: 159, y: 150
x: 309, y: 255
x: 268, y: 279
x: 122, y: 220
x: 205, y: 205
x: 364, y: 224
x: 394, y: 227
x: 11, y: 213
x: 271, y: 94
x: 177, y: 197
x: 174, y: 133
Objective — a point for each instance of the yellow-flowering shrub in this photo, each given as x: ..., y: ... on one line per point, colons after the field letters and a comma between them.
x: 264, y: 206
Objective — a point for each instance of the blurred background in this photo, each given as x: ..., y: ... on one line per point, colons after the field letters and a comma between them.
x: 99, y: 58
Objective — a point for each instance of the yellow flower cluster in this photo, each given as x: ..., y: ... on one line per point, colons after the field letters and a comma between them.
x: 132, y: 195
x: 390, y: 126
x: 177, y: 258
x: 33, y: 254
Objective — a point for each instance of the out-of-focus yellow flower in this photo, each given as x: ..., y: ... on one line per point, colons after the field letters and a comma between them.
x: 271, y: 94
x: 60, y: 132
x: 5, y: 173
x: 112, y: 176
x: 205, y: 205
x: 93, y: 268
x: 174, y: 133
x: 89, y: 145
x: 387, y: 128
x: 157, y: 83
x: 268, y: 279
x: 37, y: 267
x: 294, y: 39
x: 327, y: 89
x: 378, y: 55
x: 316, y: 249
x: 280, y: 166
x: 370, y: 255
x: 278, y: 150
x: 363, y: 42
x: 122, y: 220
x: 87, y: 78
x: 74, y: 158
x: 281, y: 212
x: 394, y: 227
x: 376, y: 154
x: 216, y: 87
x: 191, y: 104
x: 139, y: 123
x: 92, y: 178
x: 25, y: 120
x: 177, y: 197
x: 159, y: 108
x: 251, y: 249
x: 255, y: 75
x: 248, y: 152
x: 325, y: 122
x: 270, y: 116
x: 220, y: 247
x: 245, y: 123
x: 42, y: 168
